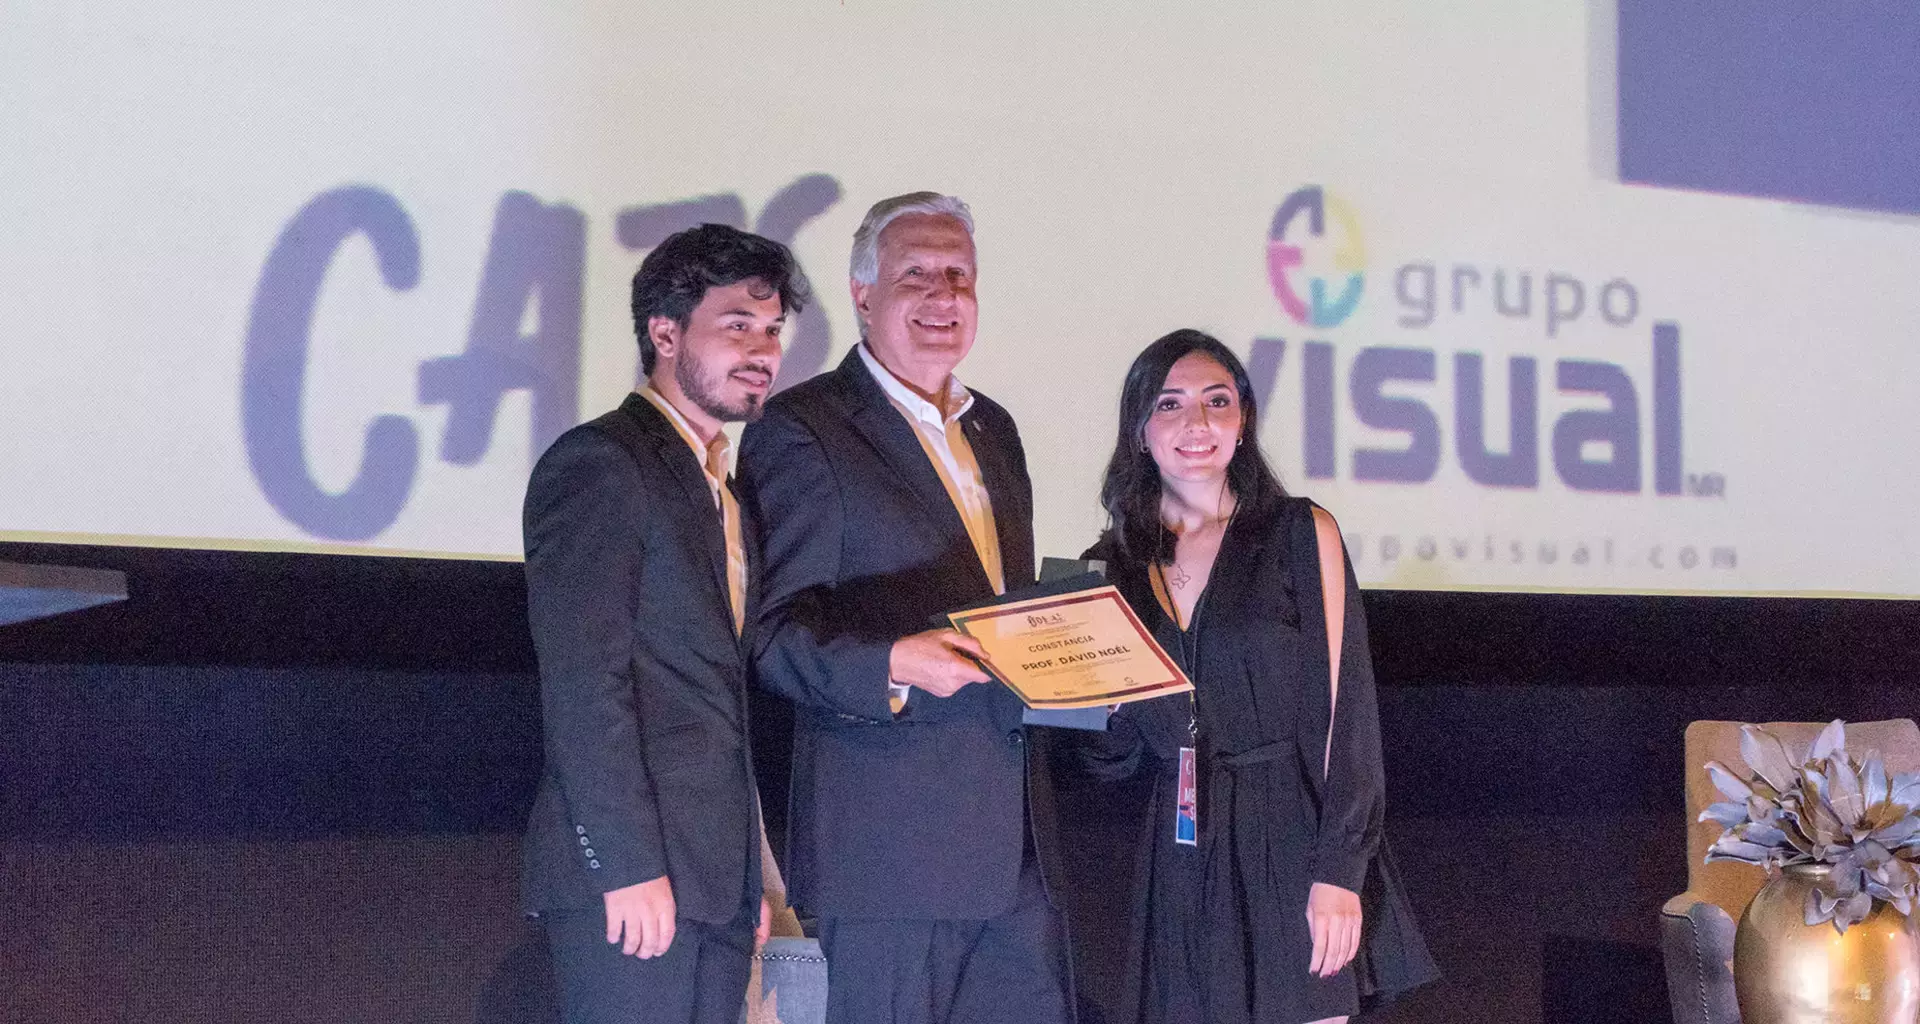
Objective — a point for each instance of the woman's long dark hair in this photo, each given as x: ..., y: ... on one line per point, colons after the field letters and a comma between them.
x: 1131, y: 490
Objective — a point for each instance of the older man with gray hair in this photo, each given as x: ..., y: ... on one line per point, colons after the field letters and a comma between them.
x: 889, y: 494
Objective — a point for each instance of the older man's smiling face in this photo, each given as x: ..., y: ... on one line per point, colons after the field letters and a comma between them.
x: 920, y: 311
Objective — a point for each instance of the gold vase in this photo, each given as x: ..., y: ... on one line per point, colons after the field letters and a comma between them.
x: 1786, y: 971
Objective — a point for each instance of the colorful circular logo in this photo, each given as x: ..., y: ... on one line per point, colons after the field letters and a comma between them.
x: 1300, y: 251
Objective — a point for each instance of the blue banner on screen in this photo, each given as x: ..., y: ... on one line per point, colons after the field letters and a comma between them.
x: 1807, y: 102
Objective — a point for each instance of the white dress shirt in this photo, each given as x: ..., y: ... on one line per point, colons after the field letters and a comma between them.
x: 713, y: 462
x: 951, y: 454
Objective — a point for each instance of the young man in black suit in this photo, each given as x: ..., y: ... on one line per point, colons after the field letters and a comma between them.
x: 889, y: 494
x: 642, y: 852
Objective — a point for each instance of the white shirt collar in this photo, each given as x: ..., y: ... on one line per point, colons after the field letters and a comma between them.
x: 958, y: 398
x: 685, y: 429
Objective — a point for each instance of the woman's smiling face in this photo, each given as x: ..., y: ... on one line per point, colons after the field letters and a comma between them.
x: 1196, y: 420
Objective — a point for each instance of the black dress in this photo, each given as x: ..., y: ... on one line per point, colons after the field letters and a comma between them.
x: 1220, y: 935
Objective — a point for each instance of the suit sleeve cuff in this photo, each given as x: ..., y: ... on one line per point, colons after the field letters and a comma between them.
x: 607, y: 880
x: 867, y: 684
x: 1345, y: 867
x: 619, y: 860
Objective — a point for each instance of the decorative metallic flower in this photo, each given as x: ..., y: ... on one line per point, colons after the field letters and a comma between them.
x: 1824, y: 808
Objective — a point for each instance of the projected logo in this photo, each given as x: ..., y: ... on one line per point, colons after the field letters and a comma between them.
x: 1590, y: 403
x: 1315, y: 259
x: 1330, y: 264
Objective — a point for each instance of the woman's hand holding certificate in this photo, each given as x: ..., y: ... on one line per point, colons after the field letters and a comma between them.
x: 1078, y: 650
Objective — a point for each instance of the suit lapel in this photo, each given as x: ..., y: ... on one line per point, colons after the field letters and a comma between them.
x: 1012, y: 514
x: 750, y: 541
x: 893, y: 439
x: 686, y: 468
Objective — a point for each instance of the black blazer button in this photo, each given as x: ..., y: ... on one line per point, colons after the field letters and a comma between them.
x: 1016, y: 737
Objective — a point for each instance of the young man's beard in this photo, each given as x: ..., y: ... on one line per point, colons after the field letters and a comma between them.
x: 705, y: 392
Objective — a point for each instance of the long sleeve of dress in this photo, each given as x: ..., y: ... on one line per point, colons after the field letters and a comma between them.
x: 1342, y: 733
x: 1114, y: 754
x: 1118, y: 752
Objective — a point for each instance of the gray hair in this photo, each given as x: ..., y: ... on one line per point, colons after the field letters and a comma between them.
x: 865, y: 263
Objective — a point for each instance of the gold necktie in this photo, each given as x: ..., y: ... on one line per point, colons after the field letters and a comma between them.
x: 717, y: 452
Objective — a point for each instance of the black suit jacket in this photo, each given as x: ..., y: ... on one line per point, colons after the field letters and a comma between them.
x: 642, y: 678
x: 916, y: 817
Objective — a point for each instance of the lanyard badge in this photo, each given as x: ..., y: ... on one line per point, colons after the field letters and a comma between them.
x: 1186, y: 812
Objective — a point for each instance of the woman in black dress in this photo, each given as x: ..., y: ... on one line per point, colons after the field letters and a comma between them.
x: 1254, y: 913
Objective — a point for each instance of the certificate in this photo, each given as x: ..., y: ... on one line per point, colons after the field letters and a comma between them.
x: 1077, y: 650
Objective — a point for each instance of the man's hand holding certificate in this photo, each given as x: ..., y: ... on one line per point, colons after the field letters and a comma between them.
x: 1079, y: 650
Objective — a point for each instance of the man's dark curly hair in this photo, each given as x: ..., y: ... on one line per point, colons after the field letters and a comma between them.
x: 675, y: 276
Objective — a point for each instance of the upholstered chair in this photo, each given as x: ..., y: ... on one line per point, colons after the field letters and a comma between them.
x: 789, y: 980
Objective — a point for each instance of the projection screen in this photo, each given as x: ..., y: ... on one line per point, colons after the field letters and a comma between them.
x: 328, y: 277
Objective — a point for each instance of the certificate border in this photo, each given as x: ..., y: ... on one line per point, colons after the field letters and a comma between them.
x: 961, y: 620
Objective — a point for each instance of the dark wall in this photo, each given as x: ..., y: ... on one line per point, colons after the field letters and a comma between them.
x: 299, y: 778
